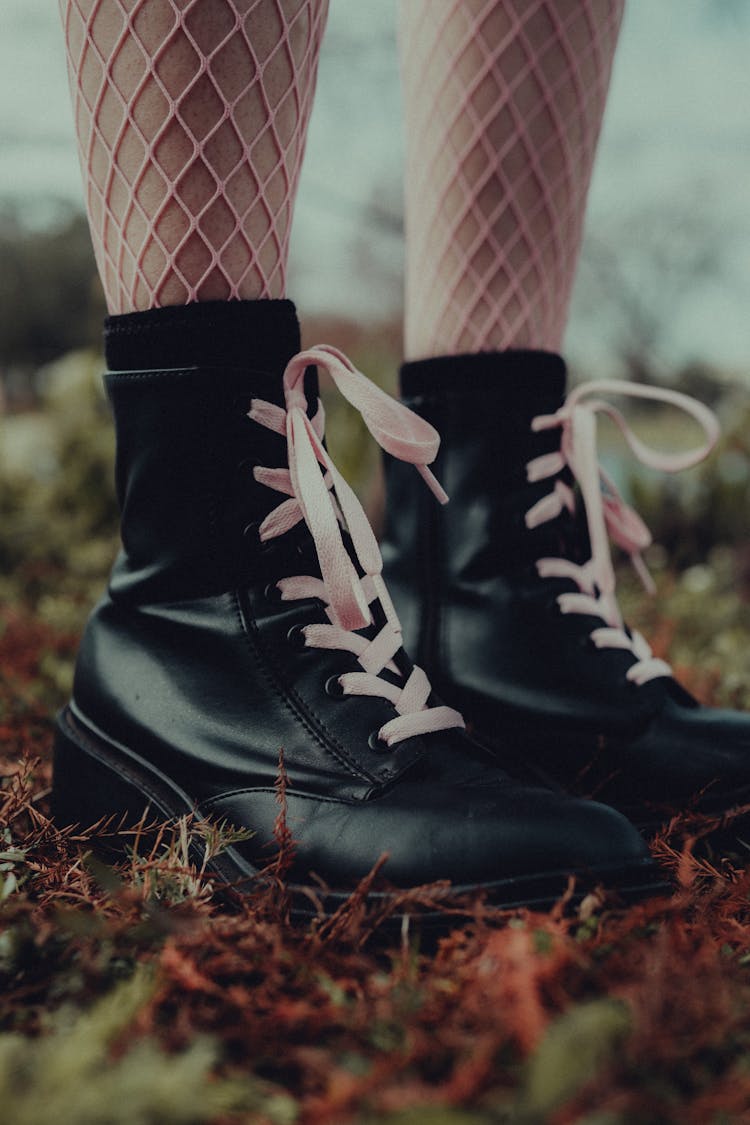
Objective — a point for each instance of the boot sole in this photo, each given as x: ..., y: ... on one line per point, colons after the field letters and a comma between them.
x: 95, y: 778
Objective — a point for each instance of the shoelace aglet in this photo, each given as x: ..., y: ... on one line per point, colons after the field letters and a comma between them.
x: 639, y: 566
x: 432, y: 483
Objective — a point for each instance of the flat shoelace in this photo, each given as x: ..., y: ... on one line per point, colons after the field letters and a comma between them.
x: 607, y: 514
x: 318, y: 494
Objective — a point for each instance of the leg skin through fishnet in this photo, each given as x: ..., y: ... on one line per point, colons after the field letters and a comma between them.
x: 503, y: 106
x: 191, y: 118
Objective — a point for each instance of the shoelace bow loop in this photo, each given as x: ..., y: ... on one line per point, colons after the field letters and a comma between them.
x: 607, y: 514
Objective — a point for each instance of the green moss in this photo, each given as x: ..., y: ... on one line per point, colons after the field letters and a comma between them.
x: 88, y: 1068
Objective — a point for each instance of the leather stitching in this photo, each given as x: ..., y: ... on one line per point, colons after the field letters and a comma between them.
x: 288, y: 696
x: 312, y: 797
x: 86, y: 741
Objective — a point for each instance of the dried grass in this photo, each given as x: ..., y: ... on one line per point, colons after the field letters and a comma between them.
x: 133, y: 991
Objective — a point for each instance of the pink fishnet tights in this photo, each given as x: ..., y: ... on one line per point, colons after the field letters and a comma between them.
x: 503, y: 104
x: 191, y: 118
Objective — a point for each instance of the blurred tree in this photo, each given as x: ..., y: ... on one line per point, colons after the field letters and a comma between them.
x: 378, y: 247
x: 637, y: 273
x: 50, y: 297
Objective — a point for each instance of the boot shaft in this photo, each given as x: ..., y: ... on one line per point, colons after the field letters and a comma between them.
x: 482, y: 406
x: 190, y: 504
x: 479, y: 614
x: 181, y: 382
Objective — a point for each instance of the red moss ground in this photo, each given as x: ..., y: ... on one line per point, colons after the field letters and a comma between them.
x: 603, y: 1014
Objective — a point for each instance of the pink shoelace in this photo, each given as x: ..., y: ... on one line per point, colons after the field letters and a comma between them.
x: 607, y: 514
x: 318, y: 494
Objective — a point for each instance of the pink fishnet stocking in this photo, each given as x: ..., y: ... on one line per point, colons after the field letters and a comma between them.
x: 191, y: 118
x: 503, y: 102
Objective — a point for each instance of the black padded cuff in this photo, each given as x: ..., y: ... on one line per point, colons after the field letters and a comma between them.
x: 521, y: 378
x: 259, y: 335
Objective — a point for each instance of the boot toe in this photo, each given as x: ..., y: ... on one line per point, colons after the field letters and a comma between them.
x: 507, y: 832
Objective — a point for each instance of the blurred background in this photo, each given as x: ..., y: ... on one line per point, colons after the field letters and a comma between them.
x: 663, y: 292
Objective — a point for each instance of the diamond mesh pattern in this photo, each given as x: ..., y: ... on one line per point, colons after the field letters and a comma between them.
x: 191, y: 118
x: 503, y: 102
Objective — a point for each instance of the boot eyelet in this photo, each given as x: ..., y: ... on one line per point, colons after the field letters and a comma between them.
x: 297, y: 639
x: 252, y: 534
x: 241, y: 402
x: 272, y: 593
x: 333, y: 688
x: 375, y: 742
x: 246, y: 465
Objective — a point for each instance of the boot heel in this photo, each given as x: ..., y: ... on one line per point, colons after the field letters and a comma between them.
x: 84, y: 787
x: 96, y: 787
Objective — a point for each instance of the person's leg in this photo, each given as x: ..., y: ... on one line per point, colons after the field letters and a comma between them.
x: 503, y: 103
x: 236, y: 635
x: 191, y: 120
x: 508, y: 594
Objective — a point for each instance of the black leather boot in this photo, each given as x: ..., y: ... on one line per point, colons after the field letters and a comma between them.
x: 504, y: 606
x: 230, y: 634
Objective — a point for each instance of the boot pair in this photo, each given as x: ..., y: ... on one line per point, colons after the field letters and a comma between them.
x: 247, y: 630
